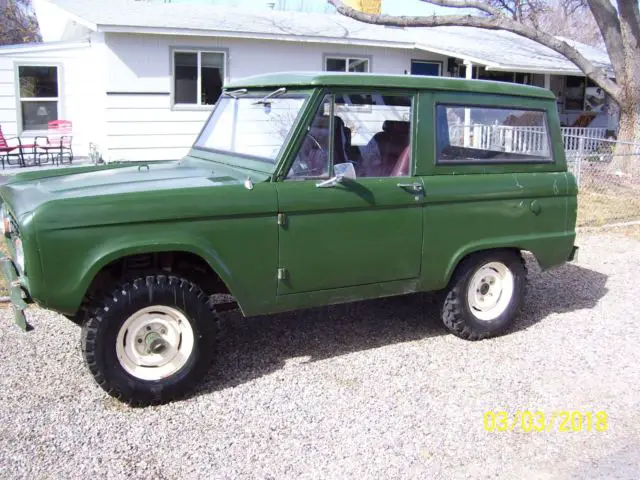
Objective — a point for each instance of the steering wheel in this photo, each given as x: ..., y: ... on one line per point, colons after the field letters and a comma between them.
x: 315, y: 140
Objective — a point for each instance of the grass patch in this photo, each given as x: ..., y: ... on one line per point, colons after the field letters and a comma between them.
x: 596, y: 209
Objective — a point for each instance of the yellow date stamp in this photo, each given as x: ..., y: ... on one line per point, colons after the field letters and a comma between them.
x: 538, y: 421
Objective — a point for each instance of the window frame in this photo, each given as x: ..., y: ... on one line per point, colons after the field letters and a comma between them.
x: 198, y: 51
x: 314, y: 107
x: 454, y: 163
x: 59, y: 99
x: 346, y: 58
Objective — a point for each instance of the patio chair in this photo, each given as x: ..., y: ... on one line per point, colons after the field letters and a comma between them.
x: 6, y: 150
x: 57, y: 143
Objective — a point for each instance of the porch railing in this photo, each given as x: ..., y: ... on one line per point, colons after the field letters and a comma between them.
x: 529, y: 140
x: 582, y: 138
x: 499, y: 137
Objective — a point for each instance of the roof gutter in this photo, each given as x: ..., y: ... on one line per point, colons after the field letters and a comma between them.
x: 544, y: 71
x: 42, y: 47
x: 450, y: 53
x: 253, y: 35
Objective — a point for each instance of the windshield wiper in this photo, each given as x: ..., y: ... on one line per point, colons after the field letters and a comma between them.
x: 275, y: 93
x: 236, y: 93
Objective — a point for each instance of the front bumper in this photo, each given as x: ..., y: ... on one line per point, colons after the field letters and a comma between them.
x: 19, y: 296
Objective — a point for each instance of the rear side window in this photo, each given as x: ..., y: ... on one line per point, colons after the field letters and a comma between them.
x: 479, y: 135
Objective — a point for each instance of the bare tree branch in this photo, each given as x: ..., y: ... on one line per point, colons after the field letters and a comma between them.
x: 609, y: 25
x: 491, y: 23
x: 478, y: 5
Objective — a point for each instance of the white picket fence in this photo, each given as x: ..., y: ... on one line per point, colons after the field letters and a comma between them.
x: 526, y: 140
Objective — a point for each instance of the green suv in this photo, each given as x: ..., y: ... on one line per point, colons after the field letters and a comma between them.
x: 301, y: 190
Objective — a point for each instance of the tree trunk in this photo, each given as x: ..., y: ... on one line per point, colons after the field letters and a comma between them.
x: 627, y: 154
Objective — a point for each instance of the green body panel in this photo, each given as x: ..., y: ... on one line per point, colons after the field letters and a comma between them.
x: 282, y: 244
x: 360, y: 232
x: 190, y: 206
x: 479, y: 212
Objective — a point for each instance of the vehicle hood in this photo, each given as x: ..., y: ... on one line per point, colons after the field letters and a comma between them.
x: 25, y: 192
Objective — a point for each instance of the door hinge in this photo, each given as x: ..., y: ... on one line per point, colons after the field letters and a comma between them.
x: 282, y: 274
x: 282, y: 219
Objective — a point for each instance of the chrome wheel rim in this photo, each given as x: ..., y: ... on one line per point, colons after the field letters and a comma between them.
x: 155, y: 342
x: 490, y: 291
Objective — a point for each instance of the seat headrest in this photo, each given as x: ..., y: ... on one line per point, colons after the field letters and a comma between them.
x: 396, y: 126
x: 339, y: 122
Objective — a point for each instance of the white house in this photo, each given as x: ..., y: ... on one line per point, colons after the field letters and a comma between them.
x: 139, y: 79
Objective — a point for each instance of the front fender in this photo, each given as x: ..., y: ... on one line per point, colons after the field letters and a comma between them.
x: 241, y: 251
x: 109, y: 253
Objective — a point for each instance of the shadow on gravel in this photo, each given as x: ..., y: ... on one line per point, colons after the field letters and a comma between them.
x: 252, y: 347
x: 563, y: 289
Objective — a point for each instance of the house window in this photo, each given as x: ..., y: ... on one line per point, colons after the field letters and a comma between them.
x: 431, y: 69
x: 346, y: 64
x: 198, y: 77
x: 39, y: 100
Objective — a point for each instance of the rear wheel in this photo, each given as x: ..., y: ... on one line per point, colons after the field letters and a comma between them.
x: 151, y: 340
x: 486, y: 294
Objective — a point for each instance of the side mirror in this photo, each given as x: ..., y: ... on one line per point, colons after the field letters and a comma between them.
x: 341, y: 171
x: 345, y: 170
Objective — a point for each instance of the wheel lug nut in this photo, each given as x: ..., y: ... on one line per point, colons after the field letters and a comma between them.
x: 139, y: 340
x: 163, y: 331
x: 148, y: 328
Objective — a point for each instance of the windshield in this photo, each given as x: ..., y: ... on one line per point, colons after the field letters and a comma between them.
x: 249, y: 126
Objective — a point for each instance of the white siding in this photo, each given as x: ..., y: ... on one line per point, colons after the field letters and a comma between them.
x: 8, y: 120
x: 145, y: 126
x: 79, y: 92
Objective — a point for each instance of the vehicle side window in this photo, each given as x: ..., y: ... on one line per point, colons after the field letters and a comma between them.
x: 477, y: 135
x: 313, y: 160
x: 372, y: 131
x: 377, y: 129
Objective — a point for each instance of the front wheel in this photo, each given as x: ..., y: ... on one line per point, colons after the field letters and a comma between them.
x: 151, y: 340
x: 486, y: 294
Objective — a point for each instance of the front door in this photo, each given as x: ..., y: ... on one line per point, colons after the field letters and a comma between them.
x: 359, y: 231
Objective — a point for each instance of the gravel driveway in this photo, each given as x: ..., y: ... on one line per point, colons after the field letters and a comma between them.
x: 368, y: 390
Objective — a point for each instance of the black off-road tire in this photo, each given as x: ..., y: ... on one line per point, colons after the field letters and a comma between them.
x: 457, y: 315
x: 100, y: 333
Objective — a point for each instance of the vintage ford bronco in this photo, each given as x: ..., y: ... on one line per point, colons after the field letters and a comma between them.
x: 301, y: 190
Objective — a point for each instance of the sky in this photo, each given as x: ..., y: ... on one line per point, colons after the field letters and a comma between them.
x: 391, y: 7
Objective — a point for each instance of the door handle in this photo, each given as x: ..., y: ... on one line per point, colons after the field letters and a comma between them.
x: 413, y: 187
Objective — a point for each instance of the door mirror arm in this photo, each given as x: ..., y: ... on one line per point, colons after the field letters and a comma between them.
x: 332, y: 182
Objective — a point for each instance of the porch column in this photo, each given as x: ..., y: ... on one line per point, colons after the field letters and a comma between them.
x: 467, y: 111
x: 547, y: 81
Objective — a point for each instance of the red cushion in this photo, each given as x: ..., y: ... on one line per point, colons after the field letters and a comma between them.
x: 402, y: 165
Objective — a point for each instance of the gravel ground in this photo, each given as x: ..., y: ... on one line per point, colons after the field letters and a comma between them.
x: 368, y: 390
